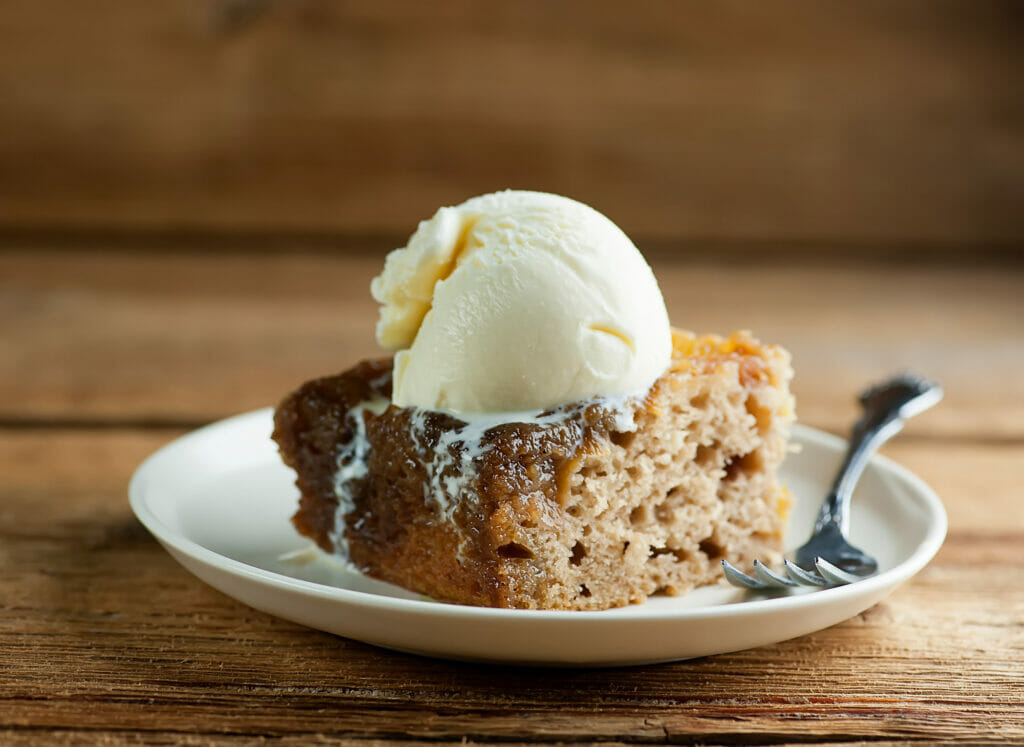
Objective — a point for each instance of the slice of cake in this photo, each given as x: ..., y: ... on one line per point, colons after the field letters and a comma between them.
x: 541, y: 439
x: 589, y: 505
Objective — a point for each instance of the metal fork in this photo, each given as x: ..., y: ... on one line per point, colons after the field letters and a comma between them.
x: 827, y: 558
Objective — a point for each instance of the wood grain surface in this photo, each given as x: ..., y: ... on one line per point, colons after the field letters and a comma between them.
x: 107, y: 355
x: 189, y: 337
x: 870, y: 123
x: 195, y: 195
x: 103, y: 630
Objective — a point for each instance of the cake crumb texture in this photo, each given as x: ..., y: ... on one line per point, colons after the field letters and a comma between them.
x: 567, y: 513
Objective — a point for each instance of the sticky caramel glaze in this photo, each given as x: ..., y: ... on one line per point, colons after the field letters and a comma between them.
x: 523, y: 482
x: 309, y: 428
x: 394, y: 532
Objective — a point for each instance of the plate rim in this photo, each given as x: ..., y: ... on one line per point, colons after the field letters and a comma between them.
x: 172, y: 538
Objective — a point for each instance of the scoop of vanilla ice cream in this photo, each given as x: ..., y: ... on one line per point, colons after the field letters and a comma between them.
x: 519, y: 301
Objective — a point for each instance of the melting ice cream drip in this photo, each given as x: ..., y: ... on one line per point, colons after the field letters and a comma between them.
x: 352, y: 465
x: 451, y: 464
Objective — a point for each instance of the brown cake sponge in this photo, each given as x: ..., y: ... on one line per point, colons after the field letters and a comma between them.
x: 577, y: 511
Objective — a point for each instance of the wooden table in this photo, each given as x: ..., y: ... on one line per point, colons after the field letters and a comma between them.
x: 107, y: 353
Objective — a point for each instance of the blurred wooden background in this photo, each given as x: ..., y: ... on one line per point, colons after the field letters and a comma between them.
x: 886, y: 127
x: 192, y: 197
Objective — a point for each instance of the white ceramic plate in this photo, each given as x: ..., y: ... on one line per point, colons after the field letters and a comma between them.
x: 219, y: 500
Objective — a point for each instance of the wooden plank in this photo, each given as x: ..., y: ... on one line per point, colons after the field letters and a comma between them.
x: 102, y: 630
x: 979, y: 484
x: 798, y: 121
x: 191, y: 337
x: 128, y: 737
x: 193, y: 737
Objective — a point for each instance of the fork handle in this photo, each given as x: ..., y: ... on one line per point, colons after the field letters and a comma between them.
x: 877, y: 425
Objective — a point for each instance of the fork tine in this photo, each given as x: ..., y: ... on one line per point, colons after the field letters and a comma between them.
x: 836, y: 576
x: 801, y: 576
x: 767, y: 580
x: 765, y: 574
x: 738, y: 578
